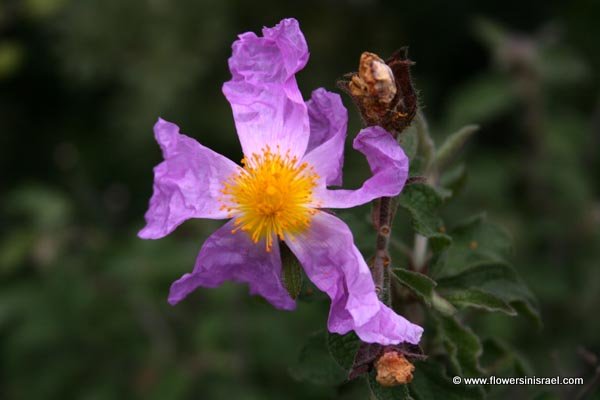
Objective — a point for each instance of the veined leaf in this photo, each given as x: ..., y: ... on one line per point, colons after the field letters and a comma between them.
x: 422, y: 202
x: 473, y: 242
x: 343, y: 348
x: 500, y: 280
x: 463, y: 346
x: 477, y: 298
x: 420, y: 284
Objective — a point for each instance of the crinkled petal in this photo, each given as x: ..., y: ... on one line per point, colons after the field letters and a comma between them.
x: 328, y: 122
x: 227, y: 256
x: 187, y: 183
x: 389, y: 166
x: 267, y: 105
x: 332, y: 262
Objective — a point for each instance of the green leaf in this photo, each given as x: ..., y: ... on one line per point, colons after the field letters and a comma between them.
x: 409, y: 141
x: 422, y: 202
x: 448, y: 151
x: 500, y: 280
x: 473, y: 242
x: 442, y: 305
x: 432, y: 383
x: 454, y: 179
x: 292, y: 272
x: 420, y: 284
x: 387, y: 393
x: 343, y: 348
x: 463, y: 346
x: 483, y: 98
x: 500, y: 359
x: 477, y: 298
x: 315, y: 363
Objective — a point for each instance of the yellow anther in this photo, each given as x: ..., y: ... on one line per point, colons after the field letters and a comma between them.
x: 271, y: 196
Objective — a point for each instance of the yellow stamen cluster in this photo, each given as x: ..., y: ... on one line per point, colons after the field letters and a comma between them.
x: 272, y: 195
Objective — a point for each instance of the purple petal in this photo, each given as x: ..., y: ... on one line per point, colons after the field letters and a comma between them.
x: 267, y: 105
x: 328, y: 122
x: 227, y: 256
x: 389, y: 166
x: 186, y: 185
x: 334, y: 264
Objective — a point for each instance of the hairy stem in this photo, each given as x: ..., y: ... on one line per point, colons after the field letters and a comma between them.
x: 383, y: 224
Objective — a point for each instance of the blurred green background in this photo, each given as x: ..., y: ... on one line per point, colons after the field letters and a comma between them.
x: 83, y: 311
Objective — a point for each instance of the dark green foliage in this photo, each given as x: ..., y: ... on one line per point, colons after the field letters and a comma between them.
x: 315, y: 364
x: 292, y: 272
x: 475, y: 242
x: 420, y: 284
x: 343, y: 348
x: 478, y: 298
x: 431, y: 383
x: 462, y: 345
x: 501, y: 281
x: 423, y: 203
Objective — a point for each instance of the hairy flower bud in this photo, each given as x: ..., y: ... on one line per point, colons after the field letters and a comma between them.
x: 374, y: 78
x: 393, y: 369
x: 383, y: 91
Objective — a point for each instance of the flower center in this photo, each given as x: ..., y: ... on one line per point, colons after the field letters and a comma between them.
x: 272, y: 195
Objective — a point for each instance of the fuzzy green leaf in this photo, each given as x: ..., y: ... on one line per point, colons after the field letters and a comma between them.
x: 343, y: 348
x: 448, y: 151
x: 477, y: 298
x: 442, y: 305
x: 422, y: 202
x: 463, y: 346
x: 420, y: 284
x: 473, y: 242
x: 454, y: 179
x: 409, y: 142
x: 500, y: 280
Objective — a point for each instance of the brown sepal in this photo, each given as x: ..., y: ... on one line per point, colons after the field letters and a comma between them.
x: 368, y: 354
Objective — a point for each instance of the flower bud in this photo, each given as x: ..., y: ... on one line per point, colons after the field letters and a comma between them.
x: 383, y: 91
x: 374, y: 78
x: 393, y: 369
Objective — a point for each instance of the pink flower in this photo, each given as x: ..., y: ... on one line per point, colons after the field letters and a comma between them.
x: 293, y: 151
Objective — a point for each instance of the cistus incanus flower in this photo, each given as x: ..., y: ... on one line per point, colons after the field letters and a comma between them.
x: 292, y: 151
